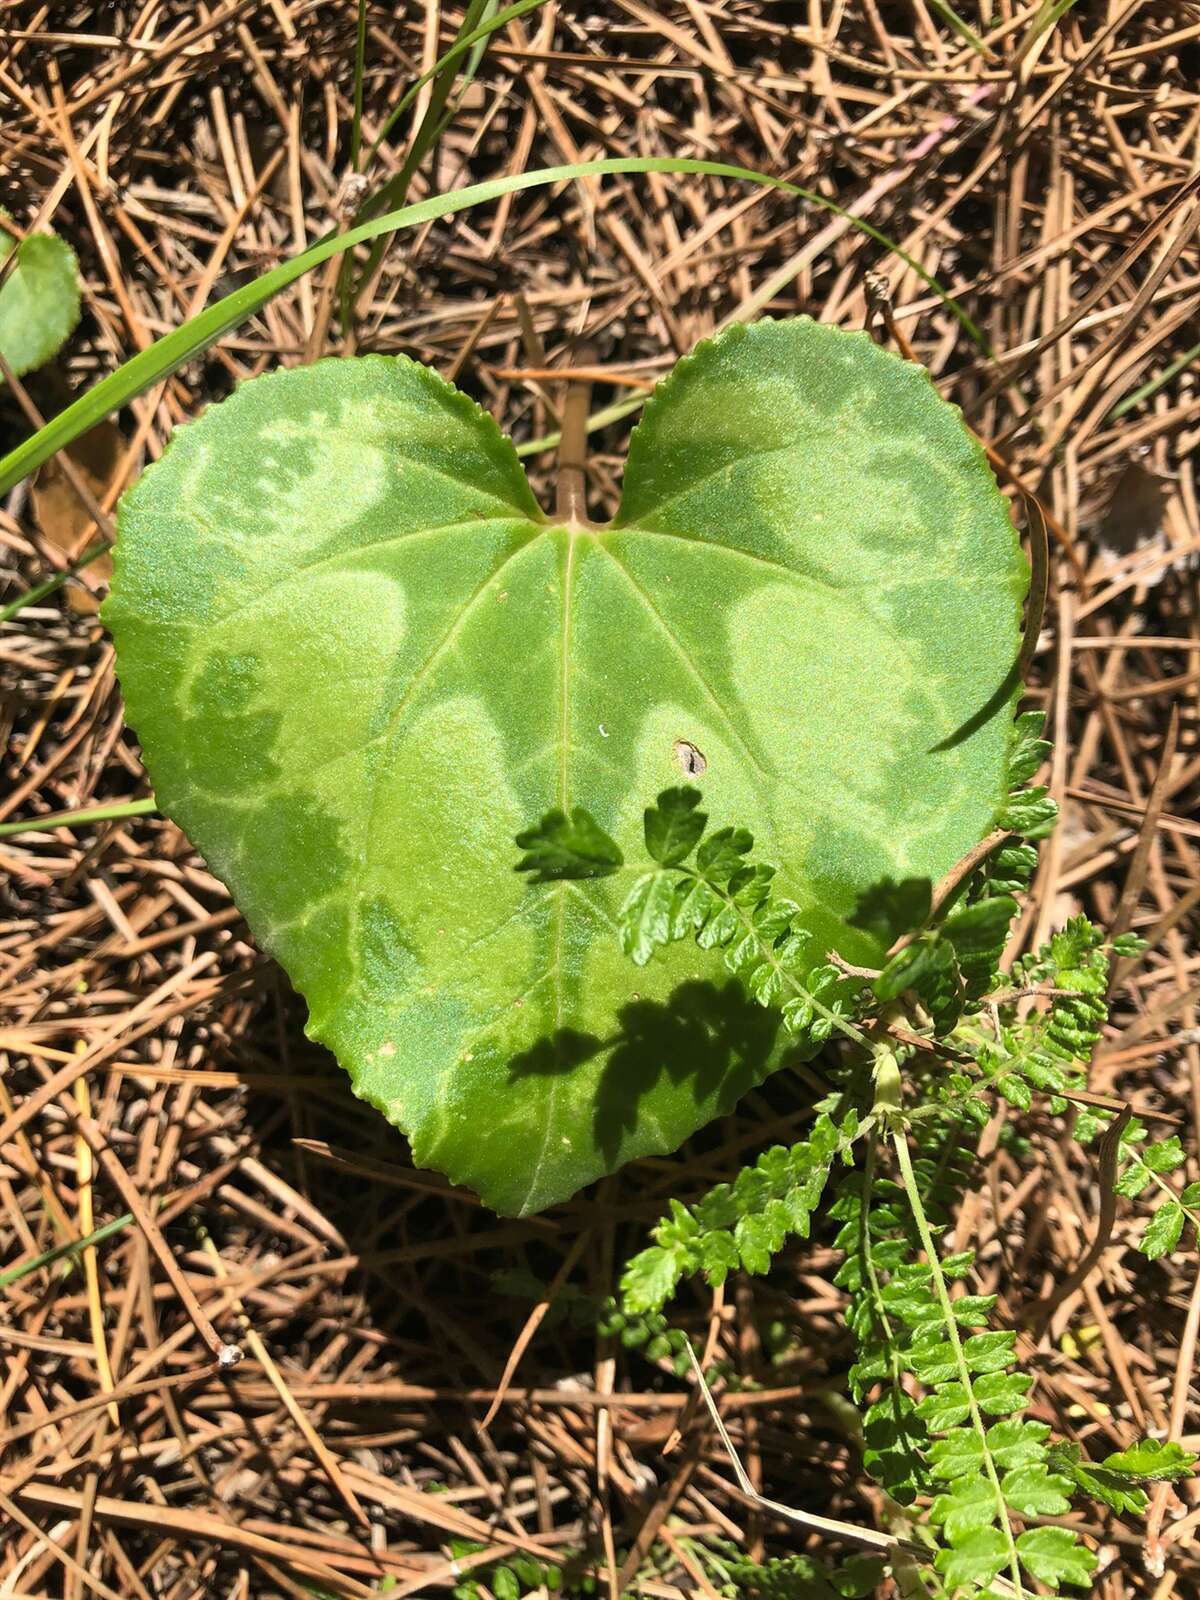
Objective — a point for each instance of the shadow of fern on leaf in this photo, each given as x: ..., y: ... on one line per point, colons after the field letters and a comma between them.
x: 889, y: 908
x: 708, y: 1040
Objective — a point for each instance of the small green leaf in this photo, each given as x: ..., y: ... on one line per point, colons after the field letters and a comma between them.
x: 1132, y: 1181
x: 973, y: 1310
x: 1034, y: 1492
x: 757, y: 1240
x: 1116, y: 1490
x: 959, y: 1264
x: 562, y: 847
x: 1163, y: 1232
x: 649, y: 1279
x: 1016, y: 1443
x: 1164, y: 1156
x: 927, y: 967
x: 1015, y: 1090
x: 719, y: 1256
x: 1000, y: 1393
x: 958, y: 1454
x: 39, y: 299
x: 945, y: 1408
x: 1030, y: 812
x: 965, y: 1508
x: 722, y: 854
x: 1028, y: 750
x: 1151, y: 1460
x: 1054, y: 1556
x: 935, y: 1363
x: 674, y: 826
x: 976, y: 1560
x: 504, y: 1584
x: 980, y: 930
x: 645, y: 919
x: 989, y: 1352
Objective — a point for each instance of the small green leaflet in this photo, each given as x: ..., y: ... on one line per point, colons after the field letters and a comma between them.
x: 1117, y: 1479
x: 1143, y: 1166
x: 39, y: 299
x: 976, y: 1560
x: 803, y: 1578
x: 1152, y: 1460
x: 361, y: 659
x: 1163, y: 1232
x: 1055, y: 1556
x: 743, y: 1224
x: 1017, y: 1444
x: 567, y: 848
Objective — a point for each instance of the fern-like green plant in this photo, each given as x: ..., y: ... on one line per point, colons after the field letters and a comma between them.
x: 1143, y: 1165
x: 803, y: 1578
x: 793, y: 495
x: 927, y: 1044
x: 740, y: 1225
x: 966, y: 1439
x: 703, y: 888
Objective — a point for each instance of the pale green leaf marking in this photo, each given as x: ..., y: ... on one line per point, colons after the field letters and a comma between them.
x: 361, y: 661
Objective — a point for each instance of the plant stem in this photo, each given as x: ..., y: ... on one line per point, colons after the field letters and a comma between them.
x: 360, y: 57
x: 571, y: 497
x: 868, y: 1263
x: 909, y: 1180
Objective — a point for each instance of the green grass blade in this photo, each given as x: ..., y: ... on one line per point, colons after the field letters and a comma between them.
x: 467, y: 40
x: 963, y: 29
x: 75, y: 819
x: 1048, y: 16
x: 394, y: 192
x: 360, y: 62
x: 597, y: 420
x: 479, y: 49
x: 1153, y: 385
x: 168, y: 354
x: 53, y: 583
x: 61, y: 1251
x: 470, y: 71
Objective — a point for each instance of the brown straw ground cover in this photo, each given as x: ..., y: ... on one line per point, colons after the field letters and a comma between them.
x: 406, y: 1412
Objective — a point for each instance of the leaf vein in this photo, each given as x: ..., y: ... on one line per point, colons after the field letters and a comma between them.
x: 690, y: 662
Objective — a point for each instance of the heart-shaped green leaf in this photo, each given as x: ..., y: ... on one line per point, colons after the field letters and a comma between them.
x: 39, y: 299
x: 361, y: 661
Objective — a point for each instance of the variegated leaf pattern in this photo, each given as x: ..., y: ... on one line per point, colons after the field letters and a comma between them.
x: 361, y: 659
